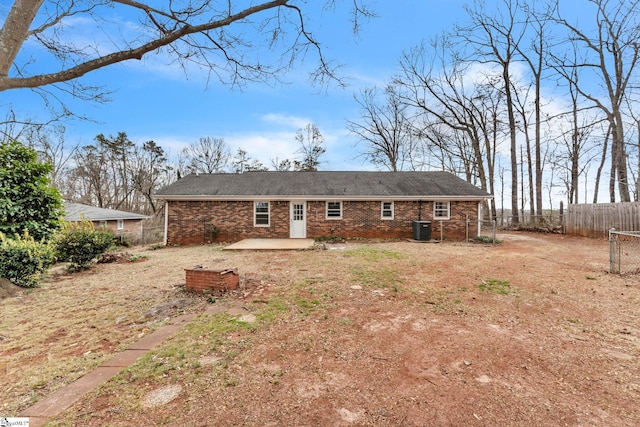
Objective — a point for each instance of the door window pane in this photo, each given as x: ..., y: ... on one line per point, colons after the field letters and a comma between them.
x: 298, y: 212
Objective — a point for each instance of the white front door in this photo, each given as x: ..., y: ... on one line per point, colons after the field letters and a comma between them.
x: 298, y: 220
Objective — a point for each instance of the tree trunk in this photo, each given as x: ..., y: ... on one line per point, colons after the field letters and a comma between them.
x: 14, y: 31
x: 514, y: 149
x: 538, y: 144
x: 620, y: 154
x: 603, y: 159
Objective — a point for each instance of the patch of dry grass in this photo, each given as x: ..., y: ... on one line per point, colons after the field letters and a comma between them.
x: 374, y: 327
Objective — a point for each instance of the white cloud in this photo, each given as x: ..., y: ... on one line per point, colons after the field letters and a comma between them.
x: 293, y: 122
x: 264, y: 146
x: 172, y: 144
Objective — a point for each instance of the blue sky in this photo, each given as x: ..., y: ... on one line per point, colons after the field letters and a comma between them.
x: 154, y: 101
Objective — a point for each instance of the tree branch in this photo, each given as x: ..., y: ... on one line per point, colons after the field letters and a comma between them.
x: 168, y: 37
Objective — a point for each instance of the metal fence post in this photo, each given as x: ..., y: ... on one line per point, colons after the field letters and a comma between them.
x: 495, y: 227
x: 466, y: 229
x: 612, y: 251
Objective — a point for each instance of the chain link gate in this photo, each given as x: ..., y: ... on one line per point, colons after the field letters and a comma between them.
x: 624, y: 252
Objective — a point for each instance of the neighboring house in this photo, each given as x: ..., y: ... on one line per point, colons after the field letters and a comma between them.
x: 125, y: 224
x: 231, y: 207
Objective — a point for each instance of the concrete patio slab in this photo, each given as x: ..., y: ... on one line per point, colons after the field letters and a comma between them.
x: 271, y: 244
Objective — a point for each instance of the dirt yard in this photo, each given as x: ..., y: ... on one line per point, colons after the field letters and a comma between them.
x: 531, y: 332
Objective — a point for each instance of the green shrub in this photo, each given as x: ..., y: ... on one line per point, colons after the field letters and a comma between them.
x: 27, y: 200
x: 23, y: 260
x: 80, y: 243
x: 485, y: 239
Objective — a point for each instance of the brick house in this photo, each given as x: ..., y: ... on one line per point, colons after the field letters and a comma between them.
x: 127, y: 225
x: 202, y: 208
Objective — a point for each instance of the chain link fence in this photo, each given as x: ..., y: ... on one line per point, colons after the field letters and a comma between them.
x: 146, y: 236
x: 624, y: 252
x: 152, y: 235
x: 548, y: 223
x: 488, y: 231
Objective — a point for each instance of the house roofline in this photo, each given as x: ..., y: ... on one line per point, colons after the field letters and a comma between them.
x: 100, y: 218
x: 201, y: 198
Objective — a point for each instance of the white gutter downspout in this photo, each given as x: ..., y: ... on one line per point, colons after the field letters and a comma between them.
x: 479, y: 219
x: 166, y: 222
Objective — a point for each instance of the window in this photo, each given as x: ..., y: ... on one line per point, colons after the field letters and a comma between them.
x: 334, y: 210
x: 103, y: 224
x: 441, y: 210
x: 120, y: 225
x: 387, y: 210
x: 261, y: 214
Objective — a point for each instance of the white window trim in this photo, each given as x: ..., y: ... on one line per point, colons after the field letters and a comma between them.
x: 120, y: 224
x: 382, y: 210
x: 448, y: 216
x: 327, y: 210
x: 255, y: 214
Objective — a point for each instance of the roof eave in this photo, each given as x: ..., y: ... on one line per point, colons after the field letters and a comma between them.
x: 204, y: 197
x: 98, y: 218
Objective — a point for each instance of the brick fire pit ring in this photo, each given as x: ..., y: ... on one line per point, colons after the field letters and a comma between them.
x: 201, y: 279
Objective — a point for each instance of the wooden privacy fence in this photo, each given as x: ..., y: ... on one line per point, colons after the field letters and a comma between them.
x: 595, y: 220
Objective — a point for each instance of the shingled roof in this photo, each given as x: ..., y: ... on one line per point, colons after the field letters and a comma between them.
x: 327, y: 185
x: 80, y: 212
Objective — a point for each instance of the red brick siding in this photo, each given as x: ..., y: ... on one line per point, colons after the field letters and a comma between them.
x: 131, y: 230
x: 187, y: 221
x: 363, y: 219
x: 202, y: 279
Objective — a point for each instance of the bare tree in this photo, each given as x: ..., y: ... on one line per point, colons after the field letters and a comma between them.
x: 610, y: 56
x: 117, y: 152
x: 51, y: 146
x: 522, y: 107
x: 456, y: 111
x: 603, y: 159
x: 635, y: 175
x: 117, y: 173
x: 242, y: 162
x: 207, y: 155
x: 281, y: 165
x: 577, y: 155
x: 494, y: 37
x: 90, y: 178
x: 310, y: 148
x: 149, y: 171
x: 534, y: 55
x: 226, y: 37
x: 383, y: 129
x: 578, y: 152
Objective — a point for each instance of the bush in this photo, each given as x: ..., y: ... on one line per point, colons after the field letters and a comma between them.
x: 80, y: 243
x: 23, y: 260
x: 27, y: 200
x: 485, y: 239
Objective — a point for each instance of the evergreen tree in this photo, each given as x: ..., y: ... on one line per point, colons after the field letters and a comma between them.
x: 27, y: 200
